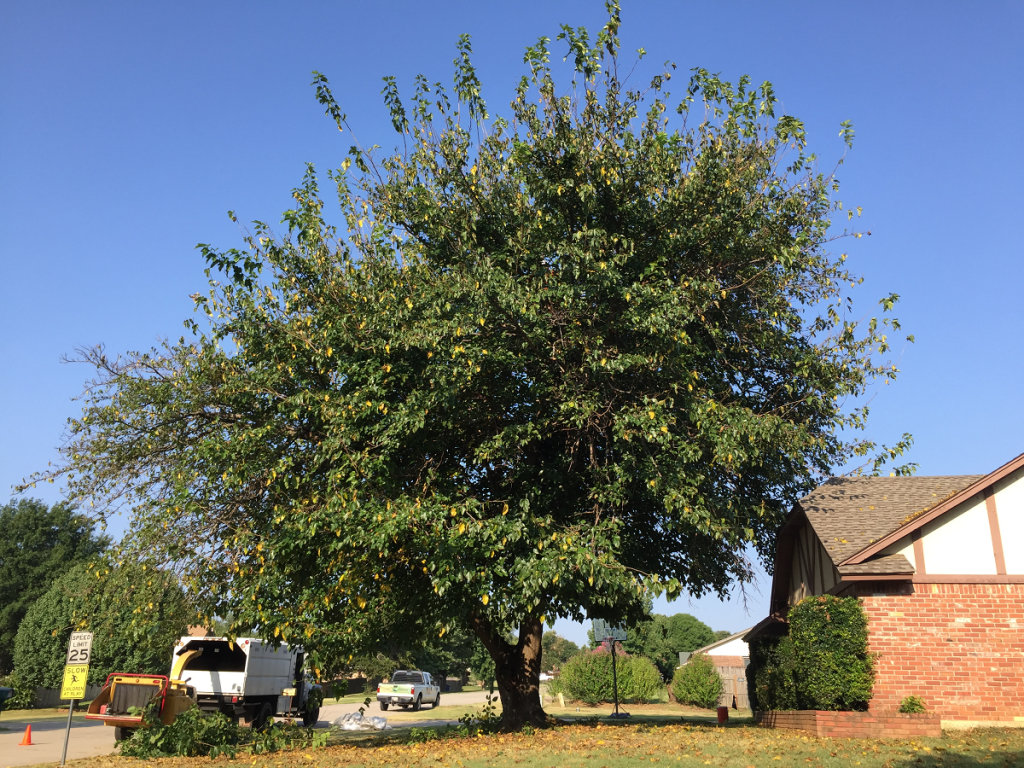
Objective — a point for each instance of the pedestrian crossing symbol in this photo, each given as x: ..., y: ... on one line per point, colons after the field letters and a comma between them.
x: 73, y: 687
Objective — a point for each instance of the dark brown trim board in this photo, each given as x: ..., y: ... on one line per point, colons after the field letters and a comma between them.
x: 993, y: 525
x: 918, y: 552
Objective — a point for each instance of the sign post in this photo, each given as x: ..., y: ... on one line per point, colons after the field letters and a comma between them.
x: 76, y: 673
x: 611, y: 634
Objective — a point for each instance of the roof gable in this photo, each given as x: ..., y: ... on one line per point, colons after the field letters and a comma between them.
x: 850, y: 514
x: 981, y: 484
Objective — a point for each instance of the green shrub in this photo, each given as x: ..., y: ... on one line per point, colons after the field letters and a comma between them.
x: 24, y: 693
x: 134, y: 612
x: 913, y: 705
x: 587, y: 677
x: 830, y: 646
x: 697, y: 683
x: 822, y: 664
x: 770, y: 681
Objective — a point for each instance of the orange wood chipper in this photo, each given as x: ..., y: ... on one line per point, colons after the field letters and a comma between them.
x: 125, y: 696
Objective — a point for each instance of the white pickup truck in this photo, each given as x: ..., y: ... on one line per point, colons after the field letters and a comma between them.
x: 408, y: 688
x: 247, y: 679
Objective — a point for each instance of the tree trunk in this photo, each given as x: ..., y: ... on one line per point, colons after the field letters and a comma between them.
x: 517, y: 670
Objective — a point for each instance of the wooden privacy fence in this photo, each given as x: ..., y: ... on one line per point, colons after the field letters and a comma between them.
x: 734, y: 687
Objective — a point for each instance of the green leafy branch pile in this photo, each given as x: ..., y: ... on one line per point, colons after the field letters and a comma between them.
x: 197, y: 734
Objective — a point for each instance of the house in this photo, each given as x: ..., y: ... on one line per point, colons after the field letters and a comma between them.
x: 731, y: 657
x: 938, y: 563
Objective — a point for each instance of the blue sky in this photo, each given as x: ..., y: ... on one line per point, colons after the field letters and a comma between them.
x: 128, y: 130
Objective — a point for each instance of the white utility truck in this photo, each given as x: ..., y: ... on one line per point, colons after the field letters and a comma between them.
x: 247, y: 679
x: 408, y: 688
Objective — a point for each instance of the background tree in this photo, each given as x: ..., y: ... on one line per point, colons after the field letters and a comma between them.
x: 550, y: 365
x: 557, y: 650
x: 135, y: 613
x: 662, y: 638
x: 37, y: 544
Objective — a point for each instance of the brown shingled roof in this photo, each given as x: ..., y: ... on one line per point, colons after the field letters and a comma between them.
x: 850, y: 513
x: 879, y: 565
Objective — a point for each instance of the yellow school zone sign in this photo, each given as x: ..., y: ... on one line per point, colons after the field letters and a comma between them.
x: 73, y: 687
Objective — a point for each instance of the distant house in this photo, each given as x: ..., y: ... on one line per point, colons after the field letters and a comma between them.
x: 938, y: 563
x: 730, y: 656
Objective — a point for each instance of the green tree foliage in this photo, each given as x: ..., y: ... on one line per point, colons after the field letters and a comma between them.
x: 823, y: 663
x: 134, y: 613
x: 557, y: 650
x: 662, y: 638
x: 38, y: 544
x: 549, y: 364
x: 587, y: 677
x: 697, y: 683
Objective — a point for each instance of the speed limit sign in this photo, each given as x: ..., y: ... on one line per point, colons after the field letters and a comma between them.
x: 79, y: 649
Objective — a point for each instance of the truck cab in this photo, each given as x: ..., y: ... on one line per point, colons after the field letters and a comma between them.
x: 408, y: 688
x: 247, y: 679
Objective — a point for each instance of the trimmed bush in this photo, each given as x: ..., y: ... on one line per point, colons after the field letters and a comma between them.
x: 830, y: 645
x: 24, y: 693
x: 913, y: 705
x: 697, y: 683
x: 587, y: 677
x: 822, y: 664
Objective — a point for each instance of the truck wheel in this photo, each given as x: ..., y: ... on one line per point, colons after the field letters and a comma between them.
x: 416, y: 704
x: 383, y: 706
x: 121, y: 733
x: 437, y: 701
x: 263, y: 716
x: 310, y: 717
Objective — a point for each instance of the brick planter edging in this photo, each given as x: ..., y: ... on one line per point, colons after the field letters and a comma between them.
x: 853, y: 725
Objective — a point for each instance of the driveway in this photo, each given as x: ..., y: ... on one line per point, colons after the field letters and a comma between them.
x: 332, y: 712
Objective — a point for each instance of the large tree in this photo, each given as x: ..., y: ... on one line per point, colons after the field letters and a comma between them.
x: 546, y: 366
x: 38, y: 543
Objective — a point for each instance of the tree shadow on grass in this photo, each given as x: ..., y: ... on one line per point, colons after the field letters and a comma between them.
x: 1012, y: 759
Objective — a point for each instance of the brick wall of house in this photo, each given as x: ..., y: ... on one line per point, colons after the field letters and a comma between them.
x: 960, y: 647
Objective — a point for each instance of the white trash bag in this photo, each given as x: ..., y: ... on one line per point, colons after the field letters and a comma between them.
x: 354, y: 721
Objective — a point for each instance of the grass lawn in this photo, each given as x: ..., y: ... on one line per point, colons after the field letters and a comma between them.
x: 624, y: 745
x: 32, y: 715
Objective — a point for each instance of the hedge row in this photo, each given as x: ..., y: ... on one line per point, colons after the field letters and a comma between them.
x: 587, y: 677
x: 822, y: 664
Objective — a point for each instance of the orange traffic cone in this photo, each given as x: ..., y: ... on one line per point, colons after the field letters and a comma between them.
x: 26, y: 740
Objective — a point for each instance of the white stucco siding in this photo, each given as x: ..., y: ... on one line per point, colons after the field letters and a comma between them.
x: 905, y: 547
x: 960, y: 541
x: 1009, y: 497
x: 735, y: 647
